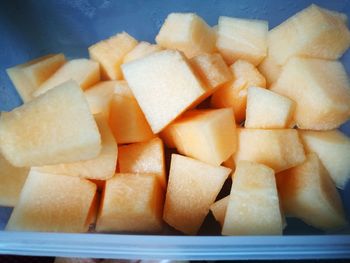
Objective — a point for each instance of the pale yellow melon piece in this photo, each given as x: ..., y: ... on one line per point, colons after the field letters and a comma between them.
x: 270, y: 69
x: 102, y: 167
x: 54, y: 128
x: 29, y: 76
x: 279, y: 149
x: 131, y: 202
x: 143, y: 157
x: 110, y: 54
x: 253, y: 207
x: 164, y: 85
x: 53, y: 203
x: 212, y: 69
x: 206, y: 135
x: 188, y: 33
x: 333, y: 149
x: 219, y: 209
x: 320, y: 89
x: 267, y: 109
x: 312, y: 32
x: 239, y: 38
x: 83, y: 71
x: 141, y: 50
x: 307, y: 192
x: 99, y: 96
x: 234, y: 93
x: 11, y: 182
x: 192, y: 189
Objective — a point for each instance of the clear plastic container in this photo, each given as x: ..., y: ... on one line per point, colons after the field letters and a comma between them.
x: 29, y: 29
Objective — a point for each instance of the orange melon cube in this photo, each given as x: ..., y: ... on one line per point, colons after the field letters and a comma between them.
x: 100, y: 95
x: 270, y: 70
x: 192, y: 189
x: 53, y: 203
x: 110, y: 54
x: 143, y: 157
x: 131, y: 202
x: 188, y: 33
x: 29, y: 76
x: 168, y: 136
x: 141, y: 50
x: 253, y: 207
x: 219, y: 209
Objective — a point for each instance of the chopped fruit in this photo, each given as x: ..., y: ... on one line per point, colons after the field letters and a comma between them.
x: 230, y: 162
x: 219, y: 209
x: 100, y: 96
x: 168, y: 137
x: 270, y: 69
x: 141, y: 50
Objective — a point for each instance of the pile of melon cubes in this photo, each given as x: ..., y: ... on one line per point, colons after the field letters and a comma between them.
x: 235, y: 102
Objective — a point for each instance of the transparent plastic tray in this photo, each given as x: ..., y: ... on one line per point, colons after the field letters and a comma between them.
x: 32, y: 28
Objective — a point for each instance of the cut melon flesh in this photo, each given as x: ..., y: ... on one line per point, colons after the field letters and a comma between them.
x: 100, y: 95
x: 253, y: 207
x: 102, y: 167
x: 279, y: 149
x: 83, y: 71
x: 110, y: 53
x: 270, y: 69
x: 29, y: 76
x: 53, y: 203
x: 242, y: 39
x: 131, y: 202
x: 11, y: 182
x: 192, y: 188
x: 303, y: 80
x: 142, y: 49
x: 333, y: 149
x: 308, y: 192
x: 168, y: 136
x: 54, y: 128
x: 143, y: 157
x: 188, y: 33
x: 219, y: 209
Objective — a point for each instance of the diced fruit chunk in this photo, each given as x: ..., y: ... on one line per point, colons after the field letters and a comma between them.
x: 53, y: 203
x: 54, y: 128
x: 308, y: 192
x: 313, y: 32
x: 333, y: 149
x: 141, y: 50
x: 206, y: 135
x: 270, y: 69
x: 253, y: 207
x: 29, y: 76
x: 219, y: 209
x: 188, y: 33
x: 212, y: 69
x: 84, y: 71
x: 303, y: 80
x: 131, y: 202
x: 165, y: 86
x: 242, y: 39
x: 110, y: 54
x: 11, y: 182
x: 168, y: 136
x: 279, y: 149
x: 100, y: 95
x: 268, y: 110
x: 234, y: 93
x: 192, y: 188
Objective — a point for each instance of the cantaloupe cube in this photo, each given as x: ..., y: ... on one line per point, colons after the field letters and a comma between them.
x: 219, y: 209
x: 253, y: 207
x: 54, y: 128
x: 165, y: 86
x: 192, y: 189
x: 141, y: 50
x: 143, y: 157
x: 310, y: 33
x: 303, y: 80
x: 307, y: 192
x: 126, y: 119
x: 333, y: 149
x: 206, y: 135
x: 212, y: 69
x: 239, y: 38
x: 270, y: 69
x: 84, y: 71
x: 131, y: 202
x: 100, y: 95
x: 102, y: 167
x: 267, y: 109
x: 188, y: 33
x: 279, y: 149
x: 53, y: 203
x: 168, y: 137
x: 110, y: 54
x: 234, y: 93
x: 29, y: 76
x: 11, y: 182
